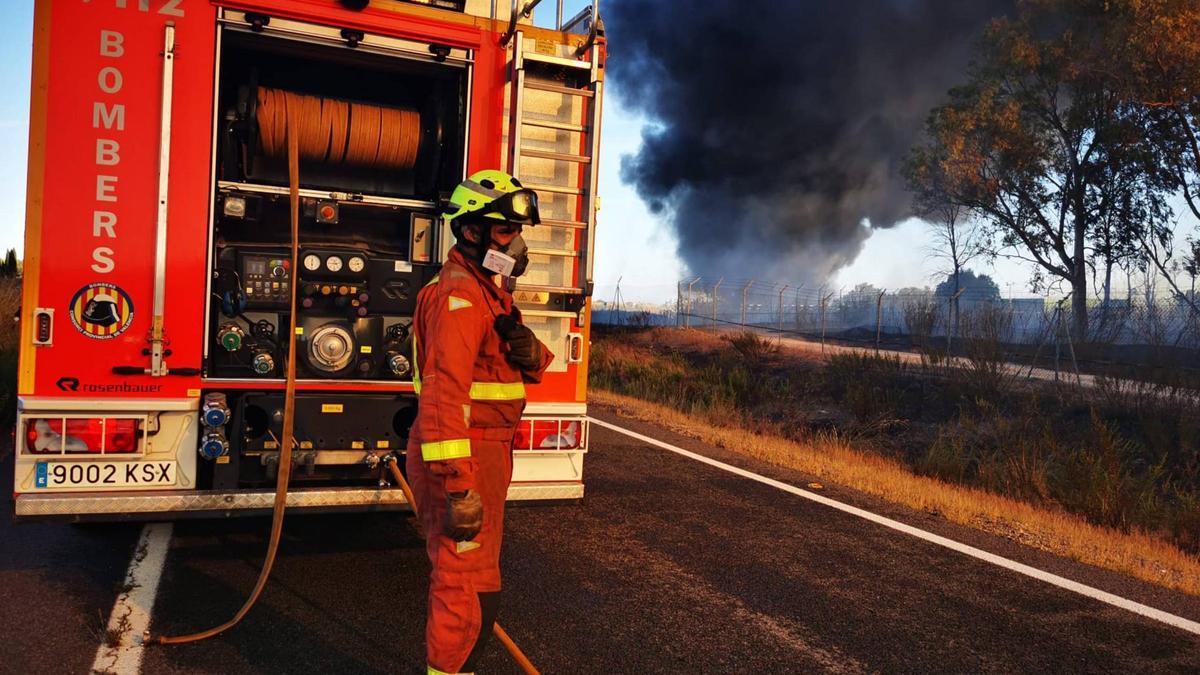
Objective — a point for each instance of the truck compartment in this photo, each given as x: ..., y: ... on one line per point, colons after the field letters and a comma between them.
x: 350, y: 97
x: 340, y: 437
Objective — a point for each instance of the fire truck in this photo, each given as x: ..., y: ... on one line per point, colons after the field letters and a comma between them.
x: 158, y: 277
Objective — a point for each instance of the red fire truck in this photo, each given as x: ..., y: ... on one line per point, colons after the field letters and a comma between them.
x: 158, y: 280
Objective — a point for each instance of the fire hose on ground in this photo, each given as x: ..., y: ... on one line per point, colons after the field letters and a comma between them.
x: 293, y: 107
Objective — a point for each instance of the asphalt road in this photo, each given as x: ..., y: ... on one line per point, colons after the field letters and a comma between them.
x: 667, y: 565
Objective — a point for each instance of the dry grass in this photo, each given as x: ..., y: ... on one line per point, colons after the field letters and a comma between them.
x: 833, y: 460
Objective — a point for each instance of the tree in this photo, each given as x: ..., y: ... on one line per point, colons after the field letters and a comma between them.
x: 976, y: 287
x: 1190, y: 264
x: 8, y: 267
x: 1040, y: 145
x: 957, y: 239
x: 1158, y: 42
x: 1157, y: 48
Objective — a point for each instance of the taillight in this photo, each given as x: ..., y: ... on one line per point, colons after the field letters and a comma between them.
x: 95, y: 435
x: 548, y: 435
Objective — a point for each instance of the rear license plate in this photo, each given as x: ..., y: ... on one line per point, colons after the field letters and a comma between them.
x: 51, y: 475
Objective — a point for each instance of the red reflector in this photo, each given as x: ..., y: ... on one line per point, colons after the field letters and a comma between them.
x: 547, y: 435
x: 93, y: 435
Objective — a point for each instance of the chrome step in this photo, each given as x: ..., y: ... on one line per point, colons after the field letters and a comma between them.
x: 550, y: 124
x: 555, y: 156
x: 558, y: 253
x: 565, y: 224
x: 556, y: 189
x: 556, y: 60
x: 559, y: 89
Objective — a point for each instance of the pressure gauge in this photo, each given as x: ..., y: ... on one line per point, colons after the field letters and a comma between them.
x: 333, y: 263
x: 312, y: 262
x: 356, y: 264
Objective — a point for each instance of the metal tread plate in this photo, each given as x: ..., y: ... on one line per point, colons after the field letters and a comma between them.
x: 72, y: 504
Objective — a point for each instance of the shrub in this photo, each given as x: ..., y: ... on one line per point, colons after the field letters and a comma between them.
x: 874, y: 388
x: 922, y: 315
x: 986, y: 331
x: 753, y: 347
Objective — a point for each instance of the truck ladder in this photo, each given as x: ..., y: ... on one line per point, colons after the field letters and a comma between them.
x: 573, y: 79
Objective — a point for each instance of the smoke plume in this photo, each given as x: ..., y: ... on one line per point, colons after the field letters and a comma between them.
x: 779, y: 127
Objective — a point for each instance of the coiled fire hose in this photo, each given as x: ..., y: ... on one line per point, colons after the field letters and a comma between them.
x: 293, y: 109
x: 331, y: 131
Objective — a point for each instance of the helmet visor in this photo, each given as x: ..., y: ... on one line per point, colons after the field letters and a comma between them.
x: 520, y: 206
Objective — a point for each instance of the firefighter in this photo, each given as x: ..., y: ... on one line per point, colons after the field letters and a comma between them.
x: 472, y: 357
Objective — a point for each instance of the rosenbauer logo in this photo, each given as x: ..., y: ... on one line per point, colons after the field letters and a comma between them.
x: 101, y: 310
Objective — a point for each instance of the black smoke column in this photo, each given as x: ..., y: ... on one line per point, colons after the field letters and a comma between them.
x: 779, y: 126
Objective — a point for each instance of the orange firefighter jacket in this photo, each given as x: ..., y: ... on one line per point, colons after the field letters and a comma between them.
x: 461, y: 374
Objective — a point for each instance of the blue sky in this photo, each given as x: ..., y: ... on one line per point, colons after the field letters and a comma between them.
x: 15, y: 55
x: 632, y: 245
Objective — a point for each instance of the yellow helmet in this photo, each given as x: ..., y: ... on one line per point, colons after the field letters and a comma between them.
x: 494, y: 195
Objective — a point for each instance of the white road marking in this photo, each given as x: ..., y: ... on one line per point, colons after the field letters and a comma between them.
x: 1053, y: 579
x: 130, y: 615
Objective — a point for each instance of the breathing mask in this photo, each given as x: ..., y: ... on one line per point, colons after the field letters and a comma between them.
x: 511, y: 261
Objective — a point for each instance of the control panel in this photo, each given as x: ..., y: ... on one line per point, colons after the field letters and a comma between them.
x: 266, y: 280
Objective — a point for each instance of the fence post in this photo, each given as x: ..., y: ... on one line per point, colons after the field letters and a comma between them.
x: 617, y: 300
x: 820, y: 327
x: 1071, y: 351
x: 745, y: 290
x: 952, y: 321
x: 1057, y: 330
x: 878, y: 321
x: 780, y: 317
x: 687, y: 322
x: 679, y: 303
x: 798, y: 289
x: 716, y: 293
x: 824, y: 304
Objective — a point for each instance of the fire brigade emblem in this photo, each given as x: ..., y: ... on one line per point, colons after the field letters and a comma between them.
x: 101, y: 311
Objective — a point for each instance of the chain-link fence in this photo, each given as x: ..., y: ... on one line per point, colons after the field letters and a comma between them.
x: 1123, y: 331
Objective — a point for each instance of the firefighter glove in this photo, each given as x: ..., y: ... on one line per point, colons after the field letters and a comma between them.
x: 524, y: 349
x: 464, y: 515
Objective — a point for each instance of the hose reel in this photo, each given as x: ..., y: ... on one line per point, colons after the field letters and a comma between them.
x: 337, y: 132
